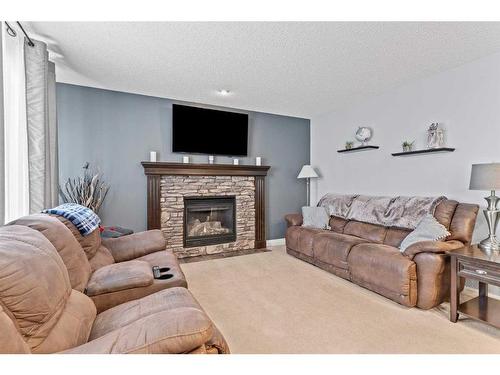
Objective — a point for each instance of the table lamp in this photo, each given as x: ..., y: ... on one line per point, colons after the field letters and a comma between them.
x: 487, y: 177
x: 308, y: 172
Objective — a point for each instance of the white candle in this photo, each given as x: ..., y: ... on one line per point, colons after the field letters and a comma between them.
x: 185, y: 159
x: 236, y: 162
x: 152, y: 156
x: 210, y: 159
x: 258, y: 160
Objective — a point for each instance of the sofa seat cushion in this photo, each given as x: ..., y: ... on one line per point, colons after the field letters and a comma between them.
x: 333, y: 248
x: 383, y: 269
x: 166, y: 332
x: 120, y: 276
x: 129, y: 312
x: 300, y: 239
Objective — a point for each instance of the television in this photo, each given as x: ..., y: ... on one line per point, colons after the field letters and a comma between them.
x: 207, y: 131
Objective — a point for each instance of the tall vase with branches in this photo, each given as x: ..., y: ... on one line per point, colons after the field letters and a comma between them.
x: 89, y: 190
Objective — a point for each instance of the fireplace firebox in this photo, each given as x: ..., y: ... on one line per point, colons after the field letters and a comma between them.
x: 209, y: 220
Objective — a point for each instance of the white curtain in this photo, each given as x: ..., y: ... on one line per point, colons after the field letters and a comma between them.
x: 29, y: 144
x: 42, y: 127
x: 15, y: 145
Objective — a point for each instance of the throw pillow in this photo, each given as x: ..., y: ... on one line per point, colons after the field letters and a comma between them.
x: 315, y: 217
x: 428, y: 229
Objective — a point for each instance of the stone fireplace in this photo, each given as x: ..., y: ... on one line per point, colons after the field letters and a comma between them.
x: 207, y: 208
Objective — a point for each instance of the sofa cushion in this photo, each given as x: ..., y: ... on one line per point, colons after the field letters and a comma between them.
x: 128, y: 312
x: 300, y: 239
x: 394, y: 236
x: 333, y: 248
x: 101, y: 258
x: 337, y: 224
x: 135, y: 245
x: 444, y: 212
x: 36, y: 292
x: 370, y: 232
x: 66, y: 245
x: 90, y: 243
x: 120, y: 276
x: 383, y: 269
x: 165, y: 332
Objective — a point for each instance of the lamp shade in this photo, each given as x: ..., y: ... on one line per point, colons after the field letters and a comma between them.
x: 485, y: 177
x: 307, y: 172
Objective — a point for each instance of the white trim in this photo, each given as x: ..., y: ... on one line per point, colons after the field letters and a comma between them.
x: 275, y: 242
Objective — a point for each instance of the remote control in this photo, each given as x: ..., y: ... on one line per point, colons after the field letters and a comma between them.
x: 156, y: 272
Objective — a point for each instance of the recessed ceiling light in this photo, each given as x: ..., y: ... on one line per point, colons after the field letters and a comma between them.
x: 224, y: 92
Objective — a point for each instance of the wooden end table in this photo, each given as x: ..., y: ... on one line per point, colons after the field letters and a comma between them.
x: 470, y: 262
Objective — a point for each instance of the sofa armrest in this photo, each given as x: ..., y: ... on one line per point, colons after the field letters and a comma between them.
x: 135, y: 245
x: 439, y: 247
x: 176, y: 331
x: 120, y: 276
x: 293, y: 220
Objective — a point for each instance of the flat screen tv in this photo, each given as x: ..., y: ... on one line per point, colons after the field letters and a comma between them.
x: 208, y: 131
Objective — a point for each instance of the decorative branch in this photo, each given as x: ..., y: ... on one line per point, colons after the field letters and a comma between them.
x: 88, y: 190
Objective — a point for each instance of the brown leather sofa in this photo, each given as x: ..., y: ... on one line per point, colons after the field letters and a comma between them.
x: 40, y: 312
x: 111, y: 271
x: 368, y: 254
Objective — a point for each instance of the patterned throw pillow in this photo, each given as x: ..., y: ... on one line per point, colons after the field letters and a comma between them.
x: 429, y: 229
x: 315, y: 217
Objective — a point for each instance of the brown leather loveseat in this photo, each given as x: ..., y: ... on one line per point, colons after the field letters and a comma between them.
x: 368, y: 254
x: 41, y: 311
x: 111, y: 271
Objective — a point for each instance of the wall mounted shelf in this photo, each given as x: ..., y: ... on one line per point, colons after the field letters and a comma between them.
x: 360, y: 148
x: 427, y: 151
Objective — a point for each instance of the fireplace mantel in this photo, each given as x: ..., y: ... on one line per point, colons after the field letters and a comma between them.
x: 154, y: 171
x: 186, y: 169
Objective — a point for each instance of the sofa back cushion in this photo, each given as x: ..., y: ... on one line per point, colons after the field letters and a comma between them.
x: 337, y: 224
x: 395, y: 236
x: 463, y: 222
x: 35, y: 292
x: 370, y: 232
x: 89, y: 243
x: 66, y: 245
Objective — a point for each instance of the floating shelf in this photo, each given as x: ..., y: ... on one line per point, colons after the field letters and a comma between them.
x: 427, y: 151
x: 360, y: 148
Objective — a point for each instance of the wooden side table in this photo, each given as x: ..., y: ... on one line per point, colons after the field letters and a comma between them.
x: 470, y: 262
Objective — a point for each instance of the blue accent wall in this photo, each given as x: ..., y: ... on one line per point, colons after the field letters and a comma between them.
x: 115, y: 131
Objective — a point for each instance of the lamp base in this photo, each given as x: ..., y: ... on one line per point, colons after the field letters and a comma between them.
x: 489, y: 244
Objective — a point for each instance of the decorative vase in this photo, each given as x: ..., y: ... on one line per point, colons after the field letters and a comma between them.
x: 435, y: 136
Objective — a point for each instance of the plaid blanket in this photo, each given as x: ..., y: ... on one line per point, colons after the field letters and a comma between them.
x: 83, y: 218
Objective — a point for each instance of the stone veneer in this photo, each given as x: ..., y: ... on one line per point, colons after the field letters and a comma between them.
x: 173, y: 189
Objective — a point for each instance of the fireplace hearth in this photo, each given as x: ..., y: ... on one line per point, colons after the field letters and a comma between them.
x: 209, y: 220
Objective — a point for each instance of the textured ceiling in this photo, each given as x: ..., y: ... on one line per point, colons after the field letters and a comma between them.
x: 301, y: 68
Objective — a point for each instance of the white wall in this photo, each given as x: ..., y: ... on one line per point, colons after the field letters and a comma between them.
x: 466, y: 100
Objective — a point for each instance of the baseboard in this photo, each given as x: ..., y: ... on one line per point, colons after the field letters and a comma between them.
x: 275, y: 242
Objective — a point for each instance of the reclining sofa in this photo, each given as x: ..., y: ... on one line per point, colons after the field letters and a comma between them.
x: 46, y: 269
x: 368, y: 254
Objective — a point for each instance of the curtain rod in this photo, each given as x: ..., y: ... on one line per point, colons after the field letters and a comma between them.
x: 13, y: 33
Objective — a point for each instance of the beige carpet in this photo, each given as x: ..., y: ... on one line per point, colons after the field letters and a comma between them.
x: 274, y: 303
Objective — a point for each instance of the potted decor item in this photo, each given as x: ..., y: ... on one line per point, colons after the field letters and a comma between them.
x: 88, y: 190
x: 349, y: 145
x: 408, y: 146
